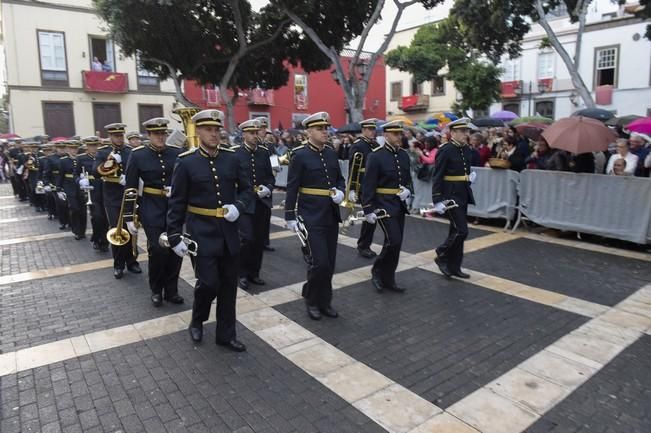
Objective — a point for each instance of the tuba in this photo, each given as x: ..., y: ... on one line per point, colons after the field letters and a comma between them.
x: 186, y: 113
x: 118, y: 235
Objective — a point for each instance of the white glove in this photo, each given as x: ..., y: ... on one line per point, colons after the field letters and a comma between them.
x: 352, y: 196
x: 404, y: 193
x: 168, y: 191
x: 439, y: 208
x: 180, y: 249
x: 232, y: 214
x: 84, y: 183
x: 292, y: 225
x: 123, y: 180
x: 20, y: 170
x: 117, y: 157
x: 338, y: 197
x: 82, y: 175
x: 131, y: 226
x: 263, y: 192
x: 47, y: 188
x: 371, y: 218
x: 472, y: 176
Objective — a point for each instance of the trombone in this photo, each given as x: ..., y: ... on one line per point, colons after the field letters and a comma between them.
x: 118, y: 235
x: 353, y: 183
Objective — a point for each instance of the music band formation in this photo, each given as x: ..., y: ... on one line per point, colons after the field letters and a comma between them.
x: 213, y: 203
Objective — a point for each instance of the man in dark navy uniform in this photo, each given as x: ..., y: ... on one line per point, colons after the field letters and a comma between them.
x: 110, y: 165
x: 262, y: 139
x: 451, y: 181
x: 387, y: 187
x: 68, y: 184
x: 31, y: 175
x: 210, y: 189
x: 85, y: 179
x: 50, y: 172
x: 18, y: 158
x: 43, y: 162
x: 153, y: 164
x: 254, y: 221
x: 363, y: 146
x: 314, y: 190
x: 55, y: 174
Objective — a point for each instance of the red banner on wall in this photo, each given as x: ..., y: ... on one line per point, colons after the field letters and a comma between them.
x: 409, y: 101
x: 105, y: 82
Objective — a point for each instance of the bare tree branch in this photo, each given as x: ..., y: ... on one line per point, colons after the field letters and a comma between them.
x: 572, y: 68
x: 364, y: 36
x: 176, y: 79
x: 581, y: 11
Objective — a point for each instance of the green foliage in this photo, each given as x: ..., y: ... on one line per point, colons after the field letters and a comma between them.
x: 436, y: 45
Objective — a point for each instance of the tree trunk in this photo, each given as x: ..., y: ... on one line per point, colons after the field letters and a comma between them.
x: 230, y: 108
x: 572, y: 68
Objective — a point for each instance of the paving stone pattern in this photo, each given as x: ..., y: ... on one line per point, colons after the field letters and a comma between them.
x: 45, y: 310
x: 441, y: 339
x: 166, y: 385
x: 597, y: 277
x: 616, y: 400
x: 16, y: 212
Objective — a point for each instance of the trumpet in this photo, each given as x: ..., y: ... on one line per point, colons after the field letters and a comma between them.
x: 449, y: 204
x: 302, y: 234
x: 193, y: 247
x: 118, y: 235
x: 360, y: 216
x: 40, y: 187
x: 88, y: 189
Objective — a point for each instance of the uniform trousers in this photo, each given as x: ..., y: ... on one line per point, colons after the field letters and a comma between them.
x: 322, y: 240
x: 75, y: 210
x: 366, y: 236
x: 62, y: 209
x: 216, y: 278
x: 121, y: 254
x: 386, y: 263
x: 450, y: 251
x: 50, y: 201
x: 164, y: 266
x: 254, y: 230
x: 99, y: 223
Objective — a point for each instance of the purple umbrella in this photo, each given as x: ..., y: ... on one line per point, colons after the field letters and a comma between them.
x: 504, y: 115
x: 642, y: 125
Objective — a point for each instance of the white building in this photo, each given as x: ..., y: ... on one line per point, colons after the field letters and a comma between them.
x: 49, y: 48
x: 614, y: 53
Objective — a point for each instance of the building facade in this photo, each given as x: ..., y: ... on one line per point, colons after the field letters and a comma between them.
x: 615, y: 64
x: 66, y: 77
x: 304, y: 94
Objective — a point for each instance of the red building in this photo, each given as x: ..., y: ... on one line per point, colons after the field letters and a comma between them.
x: 304, y: 94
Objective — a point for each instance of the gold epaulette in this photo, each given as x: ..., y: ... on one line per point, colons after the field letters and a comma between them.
x: 264, y: 147
x: 227, y: 149
x: 137, y: 148
x: 188, y: 152
x: 103, y: 147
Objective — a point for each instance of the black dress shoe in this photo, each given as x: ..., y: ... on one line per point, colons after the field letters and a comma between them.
x: 256, y: 280
x: 233, y: 345
x: 443, y: 267
x: 269, y: 248
x: 196, y: 332
x: 313, y: 312
x: 377, y: 282
x: 118, y: 273
x: 79, y: 237
x: 50, y: 217
x: 396, y: 288
x: 134, y: 268
x: 156, y: 299
x: 103, y: 248
x: 244, y: 284
x: 461, y: 274
x: 176, y: 299
x: 95, y: 246
x: 367, y: 253
x: 329, y: 312
x: 63, y: 227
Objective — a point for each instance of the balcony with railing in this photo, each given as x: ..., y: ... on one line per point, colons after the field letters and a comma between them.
x: 105, y: 82
x: 414, y: 103
x: 260, y: 97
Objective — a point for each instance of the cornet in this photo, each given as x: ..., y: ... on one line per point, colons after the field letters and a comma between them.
x: 88, y: 189
x: 193, y: 247
x: 449, y: 204
x: 301, y: 232
x: 360, y: 216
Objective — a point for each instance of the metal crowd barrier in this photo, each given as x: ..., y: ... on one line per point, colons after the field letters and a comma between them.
x: 496, y: 194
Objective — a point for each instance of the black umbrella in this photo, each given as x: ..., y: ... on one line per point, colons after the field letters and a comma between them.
x: 350, y: 128
x: 486, y: 122
x: 623, y: 120
x: 595, y: 113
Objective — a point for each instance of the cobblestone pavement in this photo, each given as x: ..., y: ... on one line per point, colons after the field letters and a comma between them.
x: 547, y: 336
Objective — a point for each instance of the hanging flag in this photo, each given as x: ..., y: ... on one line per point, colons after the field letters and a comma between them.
x: 105, y: 82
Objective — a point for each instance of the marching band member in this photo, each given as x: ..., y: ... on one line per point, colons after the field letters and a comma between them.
x: 68, y: 184
x: 364, y: 145
x: 43, y: 164
x: 153, y: 164
x: 254, y: 222
x: 110, y: 165
x: 210, y: 189
x: 262, y: 135
x: 55, y: 171
x: 314, y: 190
x: 387, y: 186
x: 451, y: 181
x: 86, y: 179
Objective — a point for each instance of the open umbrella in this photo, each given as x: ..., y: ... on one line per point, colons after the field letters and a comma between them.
x: 427, y: 126
x: 405, y: 120
x: 486, y: 122
x: 531, y: 119
x: 531, y: 130
x: 350, y: 128
x: 504, y: 115
x: 578, y: 134
x: 642, y: 125
x: 595, y: 113
x: 8, y: 136
x: 622, y: 120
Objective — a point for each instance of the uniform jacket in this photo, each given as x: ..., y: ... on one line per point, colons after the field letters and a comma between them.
x: 113, y: 191
x: 386, y: 167
x: 258, y: 168
x: 208, y: 182
x: 452, y: 159
x: 51, y: 172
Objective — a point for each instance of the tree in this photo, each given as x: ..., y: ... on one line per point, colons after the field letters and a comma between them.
x: 498, y: 27
x: 209, y: 41
x: 436, y: 45
x: 331, y: 25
